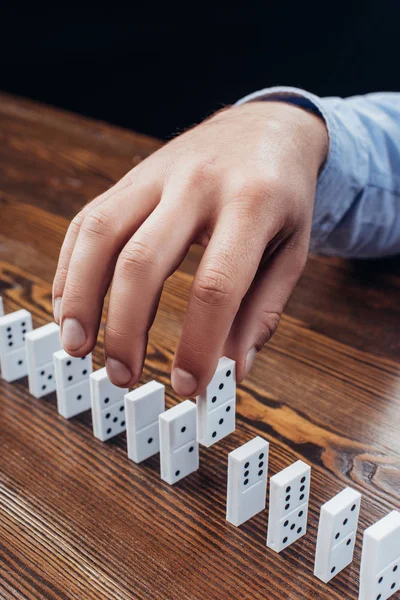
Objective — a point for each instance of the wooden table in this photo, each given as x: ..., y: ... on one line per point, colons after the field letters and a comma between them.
x: 77, y: 518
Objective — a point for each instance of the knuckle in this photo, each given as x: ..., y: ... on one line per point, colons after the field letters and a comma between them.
x: 98, y: 223
x: 76, y: 223
x: 215, y: 288
x: 200, y: 173
x: 137, y: 256
x: 269, y: 321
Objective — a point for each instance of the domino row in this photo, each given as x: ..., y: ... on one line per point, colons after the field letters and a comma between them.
x: 176, y: 434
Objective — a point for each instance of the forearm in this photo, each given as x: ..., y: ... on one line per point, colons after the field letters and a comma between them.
x: 357, y: 204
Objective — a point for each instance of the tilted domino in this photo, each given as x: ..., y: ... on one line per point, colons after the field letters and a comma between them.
x: 337, y: 532
x: 13, y: 330
x: 380, y: 559
x: 179, y: 449
x: 247, y: 481
x: 142, y: 409
x: 41, y: 344
x: 288, y: 506
x: 72, y: 383
x: 108, y: 407
x: 217, y: 404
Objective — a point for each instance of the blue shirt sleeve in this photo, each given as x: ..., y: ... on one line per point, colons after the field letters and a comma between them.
x: 357, y: 203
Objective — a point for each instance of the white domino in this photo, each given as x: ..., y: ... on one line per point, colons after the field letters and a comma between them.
x: 41, y: 344
x: 72, y: 383
x: 247, y: 481
x: 142, y: 409
x: 108, y: 407
x: 216, y: 405
x: 337, y: 532
x: 288, y: 506
x: 1, y: 307
x: 380, y: 559
x: 13, y: 329
x: 179, y: 449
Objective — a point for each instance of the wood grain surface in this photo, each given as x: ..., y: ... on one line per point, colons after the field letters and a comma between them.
x: 78, y: 520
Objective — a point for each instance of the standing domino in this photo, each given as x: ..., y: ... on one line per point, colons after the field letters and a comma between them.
x: 108, y: 409
x: 337, y: 532
x: 13, y: 330
x: 179, y: 449
x: 288, y: 506
x: 72, y: 383
x: 40, y: 347
x: 380, y: 560
x: 216, y: 405
x: 247, y: 481
x: 142, y: 409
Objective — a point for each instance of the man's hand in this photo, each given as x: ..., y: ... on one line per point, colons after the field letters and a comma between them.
x: 242, y: 184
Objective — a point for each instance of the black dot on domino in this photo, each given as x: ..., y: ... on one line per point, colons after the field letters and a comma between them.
x: 183, y: 429
x: 43, y: 387
x: 286, y: 523
x: 260, y: 472
x: 228, y: 373
x: 348, y: 542
x: 345, y: 522
x: 287, y: 506
x: 214, y: 399
x: 214, y: 433
x: 20, y: 362
x: 228, y: 408
x: 333, y: 569
x: 285, y: 540
x: 68, y: 363
x: 300, y: 529
x: 220, y: 421
x: 191, y: 449
x: 84, y: 371
x: 106, y: 400
x: 353, y: 508
x: 221, y: 386
x: 261, y: 456
x: 292, y: 526
x: 70, y: 377
x: 121, y: 408
x: 380, y: 579
x: 395, y: 568
x: 177, y: 473
x: 108, y: 415
x: 288, y: 489
x: 79, y: 397
x: 109, y: 430
x: 246, y: 481
x: 149, y: 441
x: 122, y: 423
x: 246, y: 466
x: 115, y: 419
x: 303, y: 479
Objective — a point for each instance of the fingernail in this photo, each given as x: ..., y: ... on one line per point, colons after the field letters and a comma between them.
x: 183, y: 382
x: 57, y: 310
x: 73, y: 335
x: 118, y: 372
x: 249, y: 360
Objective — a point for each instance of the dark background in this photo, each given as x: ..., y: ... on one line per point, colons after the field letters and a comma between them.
x: 160, y: 79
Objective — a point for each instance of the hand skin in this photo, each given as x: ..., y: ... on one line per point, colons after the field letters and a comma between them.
x: 242, y: 184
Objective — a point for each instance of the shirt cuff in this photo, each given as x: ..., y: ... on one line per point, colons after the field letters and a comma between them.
x: 345, y: 172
